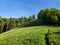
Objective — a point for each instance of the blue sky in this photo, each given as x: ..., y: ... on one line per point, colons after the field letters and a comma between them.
x: 18, y: 8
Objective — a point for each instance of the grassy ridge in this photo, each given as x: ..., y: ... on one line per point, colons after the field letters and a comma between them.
x: 27, y: 36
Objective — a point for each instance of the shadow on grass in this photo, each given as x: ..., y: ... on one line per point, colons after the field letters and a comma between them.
x: 47, y: 39
x: 56, y: 32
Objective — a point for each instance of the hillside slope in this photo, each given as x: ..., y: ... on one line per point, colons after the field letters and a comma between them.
x: 27, y: 36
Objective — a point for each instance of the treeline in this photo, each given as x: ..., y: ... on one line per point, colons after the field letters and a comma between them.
x: 45, y: 17
x: 9, y: 23
x: 49, y: 16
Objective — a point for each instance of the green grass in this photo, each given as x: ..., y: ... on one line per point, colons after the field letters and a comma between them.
x: 28, y: 36
x: 54, y: 39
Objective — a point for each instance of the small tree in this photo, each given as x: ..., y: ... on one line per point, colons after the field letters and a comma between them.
x: 1, y: 25
x: 11, y: 23
x: 14, y: 22
x: 31, y: 18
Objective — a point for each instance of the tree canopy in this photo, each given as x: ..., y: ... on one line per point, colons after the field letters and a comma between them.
x: 49, y: 16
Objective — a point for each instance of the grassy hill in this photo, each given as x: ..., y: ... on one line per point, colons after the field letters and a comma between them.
x: 31, y: 36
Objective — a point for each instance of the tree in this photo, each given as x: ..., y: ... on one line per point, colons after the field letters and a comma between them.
x: 31, y: 18
x: 1, y: 24
x: 17, y: 21
x: 43, y: 15
x: 14, y: 23
x: 21, y: 20
x: 11, y: 23
x: 26, y: 19
x: 49, y: 16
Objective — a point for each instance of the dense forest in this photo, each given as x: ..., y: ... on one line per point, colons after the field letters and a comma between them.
x: 9, y: 23
x: 44, y: 17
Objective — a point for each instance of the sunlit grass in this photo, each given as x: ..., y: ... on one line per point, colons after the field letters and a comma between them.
x: 27, y: 36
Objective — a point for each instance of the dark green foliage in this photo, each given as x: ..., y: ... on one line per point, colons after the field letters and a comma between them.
x: 33, y: 16
x: 49, y: 16
x: 31, y: 23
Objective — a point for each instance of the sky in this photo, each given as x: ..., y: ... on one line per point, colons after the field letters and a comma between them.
x: 19, y: 8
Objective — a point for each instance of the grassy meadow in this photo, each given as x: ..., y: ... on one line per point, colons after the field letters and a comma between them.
x: 31, y: 36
